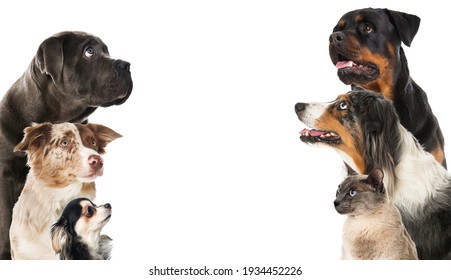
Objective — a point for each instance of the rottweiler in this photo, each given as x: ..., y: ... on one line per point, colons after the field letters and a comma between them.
x: 366, y: 48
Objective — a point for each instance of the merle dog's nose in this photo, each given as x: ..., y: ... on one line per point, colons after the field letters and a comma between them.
x: 299, y: 107
x: 107, y: 205
x: 95, y: 162
x: 336, y: 37
x: 122, y: 65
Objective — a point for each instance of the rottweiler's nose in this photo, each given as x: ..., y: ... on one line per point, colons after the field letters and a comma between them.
x: 122, y: 65
x: 299, y: 107
x: 336, y: 37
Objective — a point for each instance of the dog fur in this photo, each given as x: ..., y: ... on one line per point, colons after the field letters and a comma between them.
x: 366, y: 48
x: 64, y: 160
x: 76, y: 234
x: 364, y: 128
x: 71, y: 75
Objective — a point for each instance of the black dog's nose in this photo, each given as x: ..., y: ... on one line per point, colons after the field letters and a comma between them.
x: 122, y: 65
x: 336, y: 37
x: 299, y: 107
x: 107, y: 205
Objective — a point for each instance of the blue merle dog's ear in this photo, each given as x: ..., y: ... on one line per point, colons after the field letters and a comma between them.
x: 375, y: 179
x: 407, y: 25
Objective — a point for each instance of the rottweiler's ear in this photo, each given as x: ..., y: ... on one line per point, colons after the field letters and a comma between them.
x: 49, y: 58
x: 407, y: 25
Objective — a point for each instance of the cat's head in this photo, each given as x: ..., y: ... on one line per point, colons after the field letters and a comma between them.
x: 360, y: 194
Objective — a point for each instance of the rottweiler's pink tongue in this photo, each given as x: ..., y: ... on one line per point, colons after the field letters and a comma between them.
x: 344, y: 64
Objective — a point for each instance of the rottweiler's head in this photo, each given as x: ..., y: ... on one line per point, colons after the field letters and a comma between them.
x: 365, y: 46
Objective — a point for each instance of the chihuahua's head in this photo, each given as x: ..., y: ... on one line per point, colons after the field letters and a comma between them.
x: 76, y: 234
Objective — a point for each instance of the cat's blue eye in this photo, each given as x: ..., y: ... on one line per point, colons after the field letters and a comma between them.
x: 352, y: 193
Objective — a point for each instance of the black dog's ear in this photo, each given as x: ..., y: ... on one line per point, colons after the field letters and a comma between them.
x: 407, y: 25
x: 49, y: 58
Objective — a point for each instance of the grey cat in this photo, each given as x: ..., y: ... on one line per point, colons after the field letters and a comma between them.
x: 373, y: 228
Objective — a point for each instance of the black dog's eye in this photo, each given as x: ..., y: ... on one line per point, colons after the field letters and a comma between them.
x: 89, y: 211
x: 89, y: 52
x: 342, y: 106
x: 367, y: 28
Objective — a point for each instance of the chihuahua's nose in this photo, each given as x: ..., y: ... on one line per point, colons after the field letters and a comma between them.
x: 95, y: 162
x: 107, y: 205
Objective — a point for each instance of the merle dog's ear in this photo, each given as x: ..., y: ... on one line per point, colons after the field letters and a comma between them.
x: 35, y: 137
x: 49, y: 58
x: 407, y: 25
x: 103, y: 134
x: 350, y: 171
x: 375, y: 179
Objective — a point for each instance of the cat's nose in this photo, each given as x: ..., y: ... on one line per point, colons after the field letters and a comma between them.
x: 336, y: 203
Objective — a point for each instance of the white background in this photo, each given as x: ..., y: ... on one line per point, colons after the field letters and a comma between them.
x: 211, y: 170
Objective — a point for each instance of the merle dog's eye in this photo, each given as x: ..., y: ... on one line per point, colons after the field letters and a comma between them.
x: 93, y: 141
x: 64, y: 143
x: 89, y: 52
x: 89, y: 211
x: 342, y: 106
x: 367, y: 28
x: 352, y: 192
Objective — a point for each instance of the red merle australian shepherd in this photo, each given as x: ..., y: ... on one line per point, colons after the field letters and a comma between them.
x: 364, y: 128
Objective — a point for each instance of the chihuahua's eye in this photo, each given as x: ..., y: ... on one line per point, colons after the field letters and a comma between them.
x: 89, y: 52
x: 342, y: 106
x: 89, y: 211
x: 64, y: 143
x: 367, y: 28
x: 352, y: 192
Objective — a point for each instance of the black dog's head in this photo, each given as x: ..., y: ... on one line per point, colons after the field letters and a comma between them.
x: 76, y: 235
x: 79, y: 64
x: 365, y: 46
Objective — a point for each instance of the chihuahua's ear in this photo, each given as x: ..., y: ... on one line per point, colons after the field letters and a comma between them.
x: 59, y: 235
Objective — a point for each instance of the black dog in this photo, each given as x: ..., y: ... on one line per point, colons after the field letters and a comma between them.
x: 366, y: 48
x: 70, y: 76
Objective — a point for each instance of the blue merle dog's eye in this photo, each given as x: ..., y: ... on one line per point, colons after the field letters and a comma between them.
x: 342, y: 106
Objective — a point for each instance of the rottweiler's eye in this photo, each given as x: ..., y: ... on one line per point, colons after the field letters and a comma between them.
x: 367, y: 28
x: 89, y: 52
x: 342, y: 106
x: 352, y: 192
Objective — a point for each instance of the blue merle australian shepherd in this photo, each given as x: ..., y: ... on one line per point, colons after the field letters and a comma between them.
x: 365, y: 130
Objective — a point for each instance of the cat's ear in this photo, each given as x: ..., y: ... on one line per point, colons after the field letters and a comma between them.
x: 375, y: 179
x: 349, y: 170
